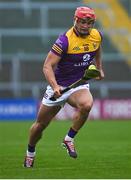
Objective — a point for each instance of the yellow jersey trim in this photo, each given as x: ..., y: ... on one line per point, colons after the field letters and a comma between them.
x: 57, y: 49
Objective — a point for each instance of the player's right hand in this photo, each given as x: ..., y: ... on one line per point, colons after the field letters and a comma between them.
x: 57, y: 91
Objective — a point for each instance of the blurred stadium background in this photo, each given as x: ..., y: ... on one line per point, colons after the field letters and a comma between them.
x: 28, y: 29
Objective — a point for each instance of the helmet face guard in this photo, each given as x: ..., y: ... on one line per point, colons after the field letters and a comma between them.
x: 84, y: 20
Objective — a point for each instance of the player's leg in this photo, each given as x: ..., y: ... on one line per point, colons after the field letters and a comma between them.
x: 45, y: 115
x: 83, y: 101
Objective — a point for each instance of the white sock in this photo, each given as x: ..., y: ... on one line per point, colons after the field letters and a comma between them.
x: 30, y: 154
x: 68, y: 138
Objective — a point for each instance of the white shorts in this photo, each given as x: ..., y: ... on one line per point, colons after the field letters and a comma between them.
x: 61, y: 100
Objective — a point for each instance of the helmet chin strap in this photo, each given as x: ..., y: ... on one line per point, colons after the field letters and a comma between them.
x: 76, y: 31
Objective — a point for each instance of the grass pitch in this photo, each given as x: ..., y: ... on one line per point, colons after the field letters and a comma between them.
x: 104, y: 151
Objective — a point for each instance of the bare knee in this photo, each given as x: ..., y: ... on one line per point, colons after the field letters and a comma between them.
x: 83, y: 112
x: 85, y: 108
x: 37, y: 126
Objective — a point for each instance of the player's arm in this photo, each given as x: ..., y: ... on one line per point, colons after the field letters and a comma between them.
x: 48, y: 70
x: 98, y: 62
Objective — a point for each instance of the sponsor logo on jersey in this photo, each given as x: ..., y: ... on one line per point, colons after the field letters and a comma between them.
x: 76, y: 48
x: 86, y: 59
x: 81, y: 64
x: 59, y: 42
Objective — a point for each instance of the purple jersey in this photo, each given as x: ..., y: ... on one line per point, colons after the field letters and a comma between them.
x: 76, y: 54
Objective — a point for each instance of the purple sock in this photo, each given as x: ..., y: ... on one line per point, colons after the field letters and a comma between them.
x: 72, y: 133
x: 31, y: 148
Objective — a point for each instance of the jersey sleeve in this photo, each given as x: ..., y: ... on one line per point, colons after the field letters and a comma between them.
x: 60, y: 46
x: 101, y: 35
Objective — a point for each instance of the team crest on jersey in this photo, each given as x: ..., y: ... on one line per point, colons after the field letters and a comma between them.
x: 86, y: 47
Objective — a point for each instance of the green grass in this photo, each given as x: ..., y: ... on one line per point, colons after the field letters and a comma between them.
x: 104, y: 151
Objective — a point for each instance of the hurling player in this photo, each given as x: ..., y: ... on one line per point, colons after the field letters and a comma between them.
x: 66, y: 62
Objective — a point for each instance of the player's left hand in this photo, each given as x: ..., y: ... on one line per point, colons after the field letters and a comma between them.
x: 102, y: 75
